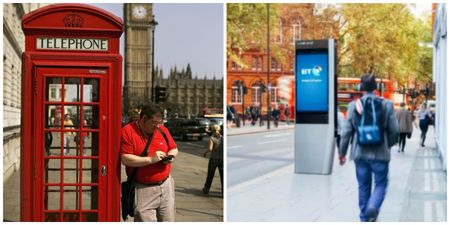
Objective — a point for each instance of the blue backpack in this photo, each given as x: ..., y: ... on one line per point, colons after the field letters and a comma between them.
x: 369, y: 128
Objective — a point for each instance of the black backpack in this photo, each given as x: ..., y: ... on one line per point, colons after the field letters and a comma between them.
x: 369, y: 125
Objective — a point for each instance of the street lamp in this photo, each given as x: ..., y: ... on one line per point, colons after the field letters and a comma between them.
x: 153, y: 23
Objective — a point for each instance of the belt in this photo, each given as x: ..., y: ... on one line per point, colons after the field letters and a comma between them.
x: 155, y: 183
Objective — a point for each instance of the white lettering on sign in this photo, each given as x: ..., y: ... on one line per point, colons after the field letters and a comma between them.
x: 83, y: 44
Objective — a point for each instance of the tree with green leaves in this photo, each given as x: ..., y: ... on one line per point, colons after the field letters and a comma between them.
x: 382, y: 39
x: 247, y: 29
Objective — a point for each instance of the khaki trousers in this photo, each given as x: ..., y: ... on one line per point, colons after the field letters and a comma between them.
x: 155, y: 203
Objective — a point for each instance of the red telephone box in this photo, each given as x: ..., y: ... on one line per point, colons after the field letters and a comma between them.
x: 71, y: 114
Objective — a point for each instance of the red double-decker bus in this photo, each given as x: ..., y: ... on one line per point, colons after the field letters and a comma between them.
x: 348, y: 89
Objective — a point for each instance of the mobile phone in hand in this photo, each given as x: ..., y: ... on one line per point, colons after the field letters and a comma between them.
x: 167, y: 158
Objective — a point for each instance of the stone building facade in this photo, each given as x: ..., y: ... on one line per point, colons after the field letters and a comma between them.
x: 188, y: 96
x: 440, y: 79
x: 13, y: 47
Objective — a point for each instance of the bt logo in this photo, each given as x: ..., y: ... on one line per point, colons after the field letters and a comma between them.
x: 314, y: 71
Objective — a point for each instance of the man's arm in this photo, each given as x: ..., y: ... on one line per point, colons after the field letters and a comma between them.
x: 210, y: 147
x: 392, y: 125
x: 173, y: 152
x: 347, y: 133
x: 138, y: 161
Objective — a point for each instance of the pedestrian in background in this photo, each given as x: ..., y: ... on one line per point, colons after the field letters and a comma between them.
x: 370, y: 161
x: 425, y: 118
x: 230, y: 115
x: 287, y: 114
x: 405, y: 124
x: 276, y: 115
x: 68, y: 136
x: 84, y: 136
x: 254, y: 114
x: 340, y: 121
x: 215, y: 147
x: 249, y: 113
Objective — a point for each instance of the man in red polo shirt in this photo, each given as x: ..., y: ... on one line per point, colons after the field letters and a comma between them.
x: 155, y: 191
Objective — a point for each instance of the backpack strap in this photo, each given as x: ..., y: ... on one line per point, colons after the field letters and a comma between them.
x: 359, y: 106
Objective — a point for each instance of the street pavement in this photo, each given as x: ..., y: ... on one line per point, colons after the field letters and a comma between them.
x: 189, y: 172
x: 262, y: 185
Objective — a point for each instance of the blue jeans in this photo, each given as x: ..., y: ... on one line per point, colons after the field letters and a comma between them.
x: 370, y: 202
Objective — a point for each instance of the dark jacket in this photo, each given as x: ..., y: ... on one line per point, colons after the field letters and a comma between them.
x: 404, y: 120
x: 390, y: 128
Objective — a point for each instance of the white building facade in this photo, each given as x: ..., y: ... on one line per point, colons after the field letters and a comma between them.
x: 13, y: 46
x: 440, y: 79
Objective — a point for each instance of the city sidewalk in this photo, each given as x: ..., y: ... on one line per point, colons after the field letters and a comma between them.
x: 417, y: 191
x: 248, y: 128
x: 189, y: 172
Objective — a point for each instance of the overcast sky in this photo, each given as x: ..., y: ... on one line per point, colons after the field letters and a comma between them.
x: 186, y: 33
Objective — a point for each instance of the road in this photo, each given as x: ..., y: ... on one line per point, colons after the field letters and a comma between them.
x: 251, y: 156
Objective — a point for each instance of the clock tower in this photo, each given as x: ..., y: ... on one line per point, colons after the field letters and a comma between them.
x: 139, y: 29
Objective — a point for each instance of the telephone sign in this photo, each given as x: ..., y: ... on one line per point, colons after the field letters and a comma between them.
x: 56, y: 43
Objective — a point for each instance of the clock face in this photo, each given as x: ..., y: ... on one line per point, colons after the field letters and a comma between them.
x: 139, y: 12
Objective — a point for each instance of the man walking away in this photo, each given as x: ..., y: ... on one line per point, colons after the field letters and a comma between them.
x: 370, y: 149
x: 405, y: 123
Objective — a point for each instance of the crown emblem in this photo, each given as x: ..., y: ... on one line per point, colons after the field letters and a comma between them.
x: 73, y: 20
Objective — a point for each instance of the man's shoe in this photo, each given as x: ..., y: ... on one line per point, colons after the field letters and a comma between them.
x: 205, y: 191
x: 371, y: 215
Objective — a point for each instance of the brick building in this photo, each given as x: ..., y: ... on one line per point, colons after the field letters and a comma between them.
x: 296, y: 22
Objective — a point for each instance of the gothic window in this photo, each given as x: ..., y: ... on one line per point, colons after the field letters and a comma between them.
x: 254, y: 63
x: 257, y: 63
x: 279, y: 33
x: 234, y: 66
x: 255, y: 94
x: 235, y: 96
x: 260, y: 64
x: 274, y: 98
x: 276, y: 66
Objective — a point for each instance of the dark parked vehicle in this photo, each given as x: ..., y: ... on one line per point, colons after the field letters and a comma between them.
x: 186, y: 128
x: 205, y: 122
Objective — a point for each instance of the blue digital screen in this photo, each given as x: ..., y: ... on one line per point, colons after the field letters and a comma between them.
x: 311, y: 80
